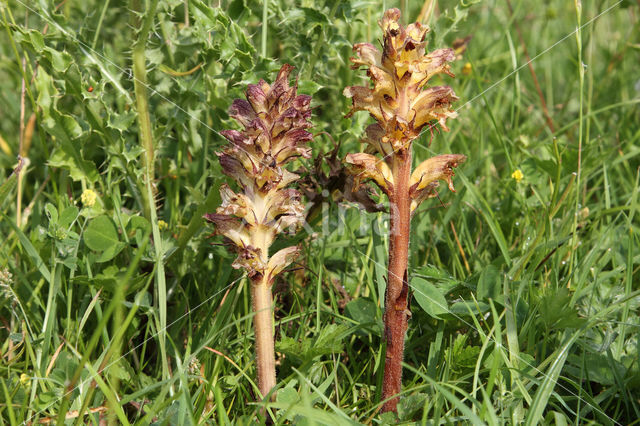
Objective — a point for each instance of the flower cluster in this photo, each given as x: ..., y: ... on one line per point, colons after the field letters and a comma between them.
x: 402, y: 106
x: 275, y: 119
x: 88, y: 197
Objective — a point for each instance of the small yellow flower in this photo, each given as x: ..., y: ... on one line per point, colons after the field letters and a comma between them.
x: 162, y: 225
x: 517, y: 175
x: 25, y: 380
x: 88, y: 197
x: 466, y: 70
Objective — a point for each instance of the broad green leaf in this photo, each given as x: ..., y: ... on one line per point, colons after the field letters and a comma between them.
x: 52, y: 213
x: 67, y: 216
x: 489, y: 284
x: 361, y: 310
x: 430, y: 299
x: 101, y: 234
x: 308, y: 87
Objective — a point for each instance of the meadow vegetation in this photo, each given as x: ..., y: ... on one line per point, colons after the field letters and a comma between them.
x: 118, y: 303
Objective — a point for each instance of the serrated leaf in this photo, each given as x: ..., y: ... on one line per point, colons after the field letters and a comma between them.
x: 79, y: 170
x: 308, y: 87
x: 314, y: 16
x: 122, y: 122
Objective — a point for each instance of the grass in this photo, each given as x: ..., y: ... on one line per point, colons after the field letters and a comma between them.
x: 525, y: 306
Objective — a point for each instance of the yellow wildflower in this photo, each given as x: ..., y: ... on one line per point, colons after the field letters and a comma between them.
x: 25, y: 380
x: 162, y: 225
x: 517, y: 175
x: 88, y: 197
x: 466, y: 70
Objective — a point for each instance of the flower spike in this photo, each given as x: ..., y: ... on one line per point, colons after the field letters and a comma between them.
x: 274, y: 120
x: 402, y: 106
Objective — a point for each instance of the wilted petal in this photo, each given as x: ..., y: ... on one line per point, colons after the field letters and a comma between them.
x: 250, y: 259
x: 283, y: 202
x: 435, y: 60
x: 384, y: 84
x: 364, y: 99
x: 257, y: 98
x: 433, y: 104
x: 230, y: 227
x: 291, y: 145
x: 235, y: 137
x: 363, y: 196
x: 290, y: 119
x: 281, y: 260
x: 427, y: 192
x: 416, y: 32
x: 302, y: 102
x: 434, y: 63
x: 283, y: 74
x: 367, y: 54
x: 241, y: 110
x: 434, y: 169
x: 288, y: 222
x: 239, y: 205
x: 389, y: 21
x: 232, y: 167
x: 366, y: 166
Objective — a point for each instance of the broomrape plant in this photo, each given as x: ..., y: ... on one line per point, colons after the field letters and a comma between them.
x: 402, y: 108
x: 275, y: 119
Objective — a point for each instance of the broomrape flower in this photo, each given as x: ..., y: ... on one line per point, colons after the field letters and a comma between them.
x: 274, y: 119
x: 403, y: 105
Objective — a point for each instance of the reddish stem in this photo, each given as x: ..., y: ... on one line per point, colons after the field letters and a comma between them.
x: 396, y: 312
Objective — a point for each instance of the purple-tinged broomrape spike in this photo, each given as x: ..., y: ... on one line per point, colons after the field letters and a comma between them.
x: 274, y: 119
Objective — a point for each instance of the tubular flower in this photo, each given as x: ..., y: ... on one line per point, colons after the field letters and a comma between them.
x: 399, y: 100
x: 275, y: 119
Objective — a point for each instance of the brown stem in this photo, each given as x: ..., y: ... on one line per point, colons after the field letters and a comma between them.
x: 396, y: 312
x: 263, y: 326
